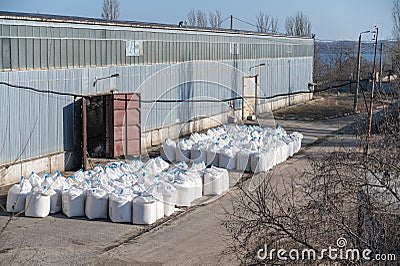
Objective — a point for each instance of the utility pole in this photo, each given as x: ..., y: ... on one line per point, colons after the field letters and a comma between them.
x: 372, y: 95
x: 358, y: 71
x: 231, y: 22
x: 380, y: 67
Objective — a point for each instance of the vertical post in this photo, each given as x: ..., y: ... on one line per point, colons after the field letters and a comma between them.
x: 231, y: 22
x: 358, y: 74
x: 372, y: 96
x: 84, y: 134
x: 290, y: 92
x: 256, y: 94
x: 380, y: 67
x: 126, y: 125
x: 243, y: 98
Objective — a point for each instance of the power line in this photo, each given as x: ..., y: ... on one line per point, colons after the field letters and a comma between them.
x: 181, y: 100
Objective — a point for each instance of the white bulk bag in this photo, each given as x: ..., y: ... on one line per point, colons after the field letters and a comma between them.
x: 213, y: 154
x: 216, y: 181
x: 243, y: 160
x: 144, y: 209
x: 262, y: 161
x: 73, y: 202
x: 198, y: 184
x: 120, y: 208
x: 227, y: 158
x: 298, y: 138
x: 37, y: 203
x: 183, y: 150
x: 169, y: 198
x: 167, y: 151
x: 35, y: 180
x: 155, y: 191
x: 55, y: 199
x: 96, y: 206
x: 198, y: 153
x: 16, y: 196
x: 198, y: 168
x: 135, y: 165
x: 161, y: 164
x: 185, y: 190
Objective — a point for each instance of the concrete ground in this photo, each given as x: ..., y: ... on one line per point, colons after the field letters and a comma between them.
x: 192, y: 236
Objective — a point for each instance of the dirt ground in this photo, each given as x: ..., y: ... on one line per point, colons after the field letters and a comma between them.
x: 325, y: 106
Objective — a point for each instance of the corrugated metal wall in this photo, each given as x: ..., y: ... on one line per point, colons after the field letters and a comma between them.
x: 67, y: 57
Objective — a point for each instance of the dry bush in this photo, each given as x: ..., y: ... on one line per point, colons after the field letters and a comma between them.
x: 346, y: 193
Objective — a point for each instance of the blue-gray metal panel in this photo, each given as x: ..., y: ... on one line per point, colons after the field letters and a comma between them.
x: 81, y: 44
x: 1, y: 54
x: 50, y: 55
x: 92, y: 52
x: 14, y: 54
x: 75, y: 52
x: 87, y: 53
x: 13, y: 30
x: 63, y: 55
x: 43, y: 53
x: 5, y: 111
x: 70, y: 53
x: 56, y: 50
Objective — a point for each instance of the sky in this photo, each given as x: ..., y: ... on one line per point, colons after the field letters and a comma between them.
x: 330, y: 19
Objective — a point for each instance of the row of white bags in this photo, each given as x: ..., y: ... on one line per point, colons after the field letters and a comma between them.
x: 243, y: 148
x: 136, y: 192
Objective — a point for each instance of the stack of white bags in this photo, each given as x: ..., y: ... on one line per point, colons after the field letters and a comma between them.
x: 142, y: 193
x: 139, y: 193
x: 244, y: 148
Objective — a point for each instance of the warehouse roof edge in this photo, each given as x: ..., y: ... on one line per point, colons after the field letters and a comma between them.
x: 124, y: 23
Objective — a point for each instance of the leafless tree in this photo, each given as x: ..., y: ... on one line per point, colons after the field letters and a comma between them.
x: 192, y: 18
x: 201, y: 18
x: 215, y: 19
x: 345, y: 193
x: 298, y: 25
x: 110, y: 10
x: 266, y: 24
x: 396, y: 19
x: 197, y: 18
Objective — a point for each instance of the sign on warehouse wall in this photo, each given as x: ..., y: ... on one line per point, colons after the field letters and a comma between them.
x: 134, y: 48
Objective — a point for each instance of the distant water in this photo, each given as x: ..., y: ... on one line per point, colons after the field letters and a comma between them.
x: 368, y: 57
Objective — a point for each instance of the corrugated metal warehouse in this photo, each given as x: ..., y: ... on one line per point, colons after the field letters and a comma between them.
x: 161, y: 62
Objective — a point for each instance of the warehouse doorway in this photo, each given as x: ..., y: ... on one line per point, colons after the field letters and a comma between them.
x: 110, y: 126
x: 249, y: 95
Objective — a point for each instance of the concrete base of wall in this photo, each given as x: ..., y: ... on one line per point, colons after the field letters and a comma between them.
x: 12, y: 173
x: 156, y: 136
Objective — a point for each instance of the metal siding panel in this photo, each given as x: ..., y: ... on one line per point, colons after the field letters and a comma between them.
x: 22, y: 53
x: 43, y: 53
x: 14, y: 136
x: 70, y: 53
x: 5, y: 111
x: 50, y: 54
x: 76, y: 54
x: 118, y: 52
x: 82, y: 56
x: 98, y: 53
x: 87, y: 53
x: 6, y: 53
x: 57, y: 53
x: 93, y: 53
x: 1, y: 55
x: 64, y: 58
x: 109, y: 53
x: 14, y: 54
